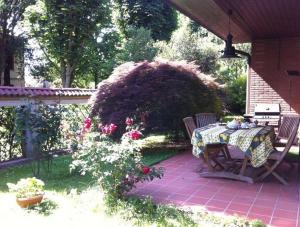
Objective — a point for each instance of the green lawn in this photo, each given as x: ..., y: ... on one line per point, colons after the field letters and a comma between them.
x: 73, y: 200
x: 60, y: 170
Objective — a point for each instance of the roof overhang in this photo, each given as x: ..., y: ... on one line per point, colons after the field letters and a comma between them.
x: 17, y: 96
x: 251, y: 19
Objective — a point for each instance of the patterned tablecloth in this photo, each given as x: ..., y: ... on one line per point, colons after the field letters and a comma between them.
x: 256, y: 143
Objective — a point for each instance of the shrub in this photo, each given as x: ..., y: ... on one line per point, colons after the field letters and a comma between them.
x: 158, y: 93
x: 236, y: 91
x: 117, y: 165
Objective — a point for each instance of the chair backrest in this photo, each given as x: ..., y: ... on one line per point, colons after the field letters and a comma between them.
x: 189, y: 125
x: 203, y: 119
x: 287, y: 124
x: 291, y: 138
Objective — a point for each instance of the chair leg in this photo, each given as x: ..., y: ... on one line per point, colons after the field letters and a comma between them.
x: 271, y: 171
x: 243, y: 169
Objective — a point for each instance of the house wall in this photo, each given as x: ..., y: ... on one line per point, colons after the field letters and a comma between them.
x: 268, y: 81
x: 17, y: 74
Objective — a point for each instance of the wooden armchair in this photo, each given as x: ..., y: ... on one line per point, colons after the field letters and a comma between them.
x: 203, y: 119
x: 288, y: 122
x: 212, y: 152
x: 277, y: 157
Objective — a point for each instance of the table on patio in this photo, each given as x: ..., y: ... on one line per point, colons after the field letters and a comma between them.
x: 255, y: 143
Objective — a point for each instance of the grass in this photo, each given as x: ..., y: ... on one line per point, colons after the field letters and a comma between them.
x: 60, y: 170
x: 76, y: 200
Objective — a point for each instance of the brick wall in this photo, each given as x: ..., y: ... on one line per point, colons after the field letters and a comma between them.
x: 268, y: 78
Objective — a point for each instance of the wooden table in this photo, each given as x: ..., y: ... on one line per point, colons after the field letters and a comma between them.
x: 255, y: 143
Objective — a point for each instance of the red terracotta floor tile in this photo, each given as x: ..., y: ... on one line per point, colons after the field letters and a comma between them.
x: 205, y: 194
x: 224, y: 197
x: 235, y: 213
x: 182, y: 185
x: 243, y: 199
x: 281, y: 222
x: 266, y: 211
x: 217, y: 204
x: 264, y: 203
x: 293, y: 206
x: 197, y: 200
x: 278, y: 213
x: 264, y: 219
x: 239, y: 207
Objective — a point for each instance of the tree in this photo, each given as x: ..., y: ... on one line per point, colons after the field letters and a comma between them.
x: 192, y: 46
x: 155, y: 15
x: 139, y: 46
x: 99, y: 58
x: 64, y: 30
x: 11, y: 13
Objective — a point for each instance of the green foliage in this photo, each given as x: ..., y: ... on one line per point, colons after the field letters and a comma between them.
x: 231, y: 69
x: 117, y: 166
x: 41, y: 124
x: 27, y: 187
x: 192, y: 46
x: 236, y: 91
x: 160, y: 94
x: 46, y: 207
x: 154, y: 15
x: 144, y: 211
x: 65, y: 28
x: 139, y: 46
x: 9, y: 147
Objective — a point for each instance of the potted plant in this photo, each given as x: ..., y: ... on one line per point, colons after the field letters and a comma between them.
x: 29, y: 191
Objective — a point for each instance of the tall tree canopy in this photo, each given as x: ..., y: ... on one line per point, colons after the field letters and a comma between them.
x: 155, y: 15
x: 65, y: 29
x: 11, y: 12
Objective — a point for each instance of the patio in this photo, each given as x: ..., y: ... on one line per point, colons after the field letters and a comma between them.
x: 270, y: 201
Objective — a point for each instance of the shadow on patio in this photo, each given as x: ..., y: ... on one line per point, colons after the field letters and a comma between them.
x: 270, y: 201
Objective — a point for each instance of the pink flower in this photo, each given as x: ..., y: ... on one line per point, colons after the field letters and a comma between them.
x: 146, y: 170
x: 87, y: 123
x: 112, y: 128
x: 109, y: 129
x: 134, y: 134
x: 129, y: 121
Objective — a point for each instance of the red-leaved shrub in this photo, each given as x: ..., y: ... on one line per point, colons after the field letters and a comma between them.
x: 159, y: 93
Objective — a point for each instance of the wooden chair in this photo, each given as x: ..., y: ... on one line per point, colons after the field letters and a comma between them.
x: 211, y: 152
x: 287, y: 124
x: 190, y: 125
x: 277, y: 157
x: 203, y: 119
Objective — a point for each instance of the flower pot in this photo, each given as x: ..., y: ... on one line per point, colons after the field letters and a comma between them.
x: 25, y: 202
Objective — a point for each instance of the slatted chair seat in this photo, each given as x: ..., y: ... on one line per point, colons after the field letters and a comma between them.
x: 277, y: 156
x: 203, y: 119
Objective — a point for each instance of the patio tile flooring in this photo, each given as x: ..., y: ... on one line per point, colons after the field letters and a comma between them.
x: 270, y: 201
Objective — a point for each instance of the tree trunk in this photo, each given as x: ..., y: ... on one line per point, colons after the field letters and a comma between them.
x: 7, y: 73
x: 96, y: 79
x: 2, y: 54
x: 69, y: 75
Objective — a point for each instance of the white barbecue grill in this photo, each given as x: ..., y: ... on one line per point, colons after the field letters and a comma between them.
x: 267, y: 113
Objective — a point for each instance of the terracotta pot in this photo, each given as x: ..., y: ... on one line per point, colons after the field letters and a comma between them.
x: 25, y: 202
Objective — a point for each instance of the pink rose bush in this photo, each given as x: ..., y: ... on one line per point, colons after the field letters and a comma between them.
x: 108, y: 129
x: 117, y: 165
